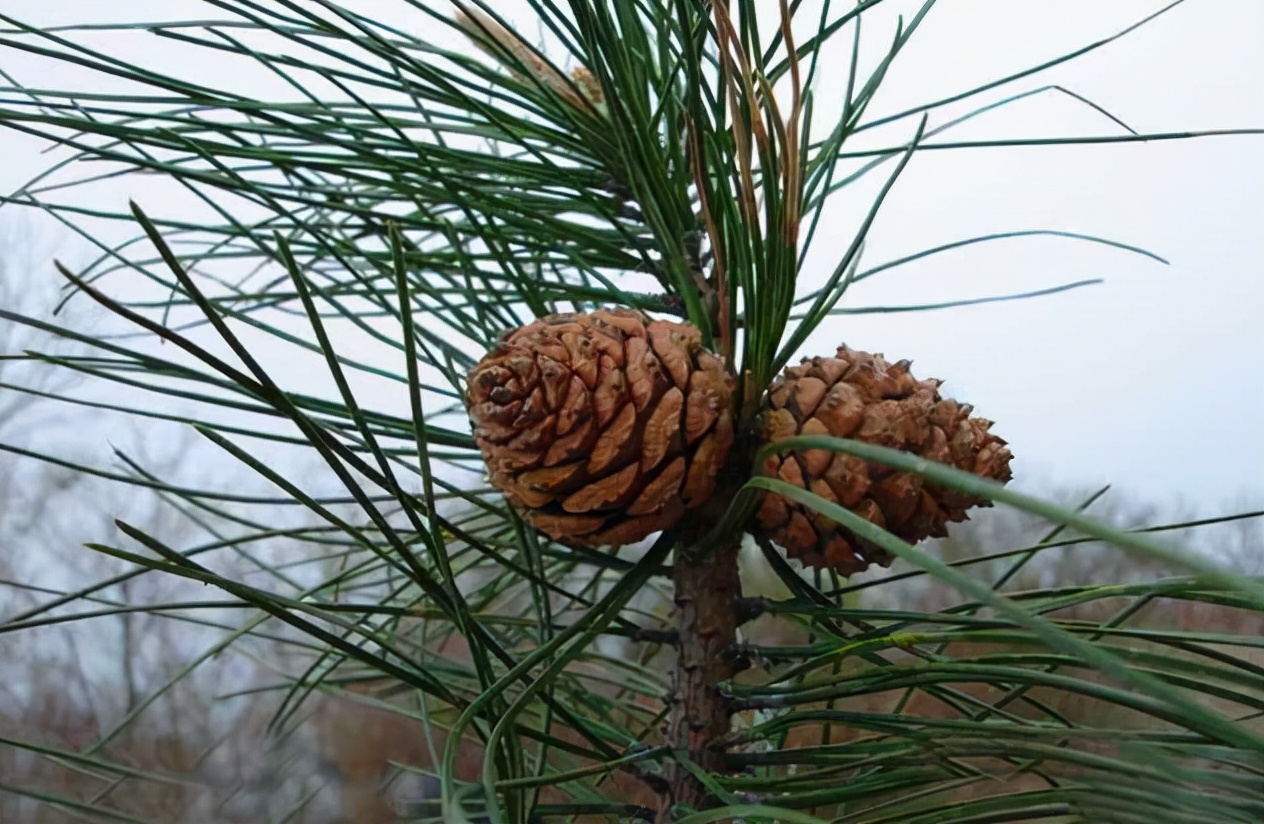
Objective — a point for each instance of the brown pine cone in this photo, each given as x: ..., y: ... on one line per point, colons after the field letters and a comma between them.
x: 602, y: 428
x: 861, y: 396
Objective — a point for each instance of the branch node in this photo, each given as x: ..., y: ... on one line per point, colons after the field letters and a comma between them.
x: 749, y: 608
x: 667, y: 637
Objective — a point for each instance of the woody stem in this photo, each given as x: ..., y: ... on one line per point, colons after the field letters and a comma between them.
x: 706, y: 587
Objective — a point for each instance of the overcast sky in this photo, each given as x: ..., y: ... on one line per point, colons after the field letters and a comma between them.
x: 1153, y: 381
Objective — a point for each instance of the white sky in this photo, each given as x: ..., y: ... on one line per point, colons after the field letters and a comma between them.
x: 1153, y: 381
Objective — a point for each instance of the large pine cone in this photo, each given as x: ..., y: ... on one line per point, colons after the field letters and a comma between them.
x: 602, y: 428
x: 861, y: 396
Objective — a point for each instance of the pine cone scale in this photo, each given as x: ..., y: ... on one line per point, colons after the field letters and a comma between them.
x: 661, y: 428
x: 660, y: 489
x: 603, y: 492
x: 614, y: 441
x: 574, y: 444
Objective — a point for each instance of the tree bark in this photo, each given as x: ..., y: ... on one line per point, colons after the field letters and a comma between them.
x: 706, y: 589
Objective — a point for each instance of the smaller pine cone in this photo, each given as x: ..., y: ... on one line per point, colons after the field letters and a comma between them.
x: 861, y: 396
x: 602, y: 428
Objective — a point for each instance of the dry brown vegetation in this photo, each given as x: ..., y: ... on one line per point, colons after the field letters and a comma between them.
x: 350, y: 757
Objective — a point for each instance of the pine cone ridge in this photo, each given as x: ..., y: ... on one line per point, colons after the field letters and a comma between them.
x: 861, y: 396
x: 602, y: 428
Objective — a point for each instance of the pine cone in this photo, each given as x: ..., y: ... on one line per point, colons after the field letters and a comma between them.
x: 602, y: 428
x: 861, y: 396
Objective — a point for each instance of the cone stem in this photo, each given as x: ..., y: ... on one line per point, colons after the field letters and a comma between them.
x: 706, y: 589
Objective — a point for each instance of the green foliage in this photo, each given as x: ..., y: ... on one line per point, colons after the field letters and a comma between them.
x: 401, y: 202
